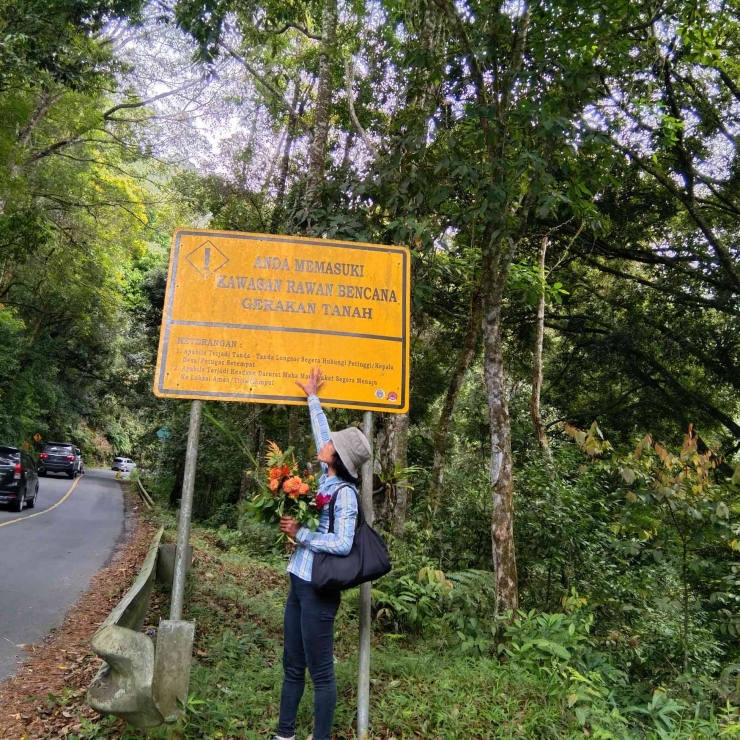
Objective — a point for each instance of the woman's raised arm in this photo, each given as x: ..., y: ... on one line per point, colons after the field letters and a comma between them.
x: 319, y: 423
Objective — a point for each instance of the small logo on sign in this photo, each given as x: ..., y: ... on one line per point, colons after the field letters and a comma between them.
x: 207, y: 259
x: 393, y: 396
x: 379, y: 393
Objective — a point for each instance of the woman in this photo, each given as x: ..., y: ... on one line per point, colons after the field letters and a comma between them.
x: 308, y: 627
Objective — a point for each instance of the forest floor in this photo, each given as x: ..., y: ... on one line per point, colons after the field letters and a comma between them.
x: 422, y: 686
x: 419, y: 689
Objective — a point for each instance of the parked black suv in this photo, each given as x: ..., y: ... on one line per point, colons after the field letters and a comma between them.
x: 60, y: 457
x: 19, y: 483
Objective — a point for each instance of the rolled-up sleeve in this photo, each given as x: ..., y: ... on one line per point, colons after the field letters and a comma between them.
x: 319, y: 425
x: 340, y: 541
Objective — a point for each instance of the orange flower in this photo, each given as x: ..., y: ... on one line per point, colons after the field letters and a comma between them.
x: 303, y: 490
x: 291, y: 484
x: 292, y: 487
x: 276, y: 473
x: 274, y: 484
x: 285, y: 470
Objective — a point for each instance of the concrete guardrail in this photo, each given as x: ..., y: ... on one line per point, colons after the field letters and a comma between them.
x: 145, y: 497
x: 143, y: 684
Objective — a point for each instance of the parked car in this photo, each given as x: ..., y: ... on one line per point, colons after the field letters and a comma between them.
x: 59, y: 457
x: 124, y: 464
x: 19, y: 483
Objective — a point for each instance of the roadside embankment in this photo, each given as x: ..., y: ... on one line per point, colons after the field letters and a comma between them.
x: 46, y: 697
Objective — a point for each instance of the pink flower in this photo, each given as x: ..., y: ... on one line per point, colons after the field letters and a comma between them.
x: 321, y: 499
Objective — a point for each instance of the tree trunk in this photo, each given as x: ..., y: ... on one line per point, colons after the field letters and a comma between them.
x: 295, y: 414
x: 501, y: 474
x: 317, y: 152
x: 442, y: 430
x: 278, y: 211
x: 349, y: 141
x: 273, y: 162
x: 392, y: 446
x: 497, y: 256
x: 176, y: 490
x: 534, y: 406
x: 399, y: 423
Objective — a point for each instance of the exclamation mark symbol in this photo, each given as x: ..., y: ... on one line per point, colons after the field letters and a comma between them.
x: 207, y: 259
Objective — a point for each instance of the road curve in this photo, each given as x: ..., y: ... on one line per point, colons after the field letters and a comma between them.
x: 48, y: 560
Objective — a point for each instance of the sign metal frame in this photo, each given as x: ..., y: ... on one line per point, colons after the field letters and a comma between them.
x: 177, y: 258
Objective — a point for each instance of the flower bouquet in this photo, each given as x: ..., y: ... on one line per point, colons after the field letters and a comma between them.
x: 285, y: 493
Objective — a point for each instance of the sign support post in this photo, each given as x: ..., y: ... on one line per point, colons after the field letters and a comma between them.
x: 186, y: 511
x: 363, y: 671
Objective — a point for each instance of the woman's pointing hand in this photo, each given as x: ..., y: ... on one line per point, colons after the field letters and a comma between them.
x: 314, y: 382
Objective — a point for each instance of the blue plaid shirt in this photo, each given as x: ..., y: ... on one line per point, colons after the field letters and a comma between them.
x: 338, y: 542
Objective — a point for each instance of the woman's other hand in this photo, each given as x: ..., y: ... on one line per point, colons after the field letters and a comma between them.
x: 290, y: 526
x: 314, y: 382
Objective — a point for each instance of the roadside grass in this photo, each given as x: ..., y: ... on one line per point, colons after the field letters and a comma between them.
x: 419, y: 689
x: 423, y: 686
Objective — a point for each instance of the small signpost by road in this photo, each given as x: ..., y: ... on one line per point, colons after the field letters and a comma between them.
x: 246, y: 315
x: 163, y: 434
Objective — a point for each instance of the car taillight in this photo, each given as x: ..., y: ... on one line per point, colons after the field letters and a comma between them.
x: 70, y: 457
x: 17, y: 472
x: 43, y: 456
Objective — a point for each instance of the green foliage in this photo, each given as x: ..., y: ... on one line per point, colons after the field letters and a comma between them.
x: 413, y: 596
x: 528, y: 280
x: 611, y: 129
x: 57, y: 41
x: 549, y: 681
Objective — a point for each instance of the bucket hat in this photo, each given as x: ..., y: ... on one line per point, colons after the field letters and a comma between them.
x: 353, y: 449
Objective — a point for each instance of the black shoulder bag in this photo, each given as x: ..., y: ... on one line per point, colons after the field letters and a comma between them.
x: 367, y: 560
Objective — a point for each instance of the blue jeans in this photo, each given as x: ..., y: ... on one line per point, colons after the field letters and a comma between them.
x: 308, y: 635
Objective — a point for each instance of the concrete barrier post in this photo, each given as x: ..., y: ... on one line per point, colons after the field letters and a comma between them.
x: 123, y: 686
x: 172, y: 667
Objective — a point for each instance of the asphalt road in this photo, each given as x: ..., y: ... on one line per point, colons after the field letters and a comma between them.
x: 50, y: 554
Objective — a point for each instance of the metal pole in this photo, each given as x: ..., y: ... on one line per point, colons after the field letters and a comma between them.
x: 161, y: 458
x: 186, y: 510
x: 363, y: 671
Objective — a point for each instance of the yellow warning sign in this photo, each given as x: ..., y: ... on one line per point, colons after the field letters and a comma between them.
x: 246, y: 315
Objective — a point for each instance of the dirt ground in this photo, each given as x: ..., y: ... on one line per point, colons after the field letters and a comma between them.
x: 46, y: 697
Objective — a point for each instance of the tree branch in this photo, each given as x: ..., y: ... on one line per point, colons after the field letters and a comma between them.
x: 267, y: 85
x: 141, y: 103
x: 348, y: 71
x: 297, y: 27
x: 106, y: 116
x: 692, y: 299
x: 723, y: 254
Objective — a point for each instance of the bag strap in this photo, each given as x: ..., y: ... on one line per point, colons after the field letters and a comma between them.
x: 360, y: 512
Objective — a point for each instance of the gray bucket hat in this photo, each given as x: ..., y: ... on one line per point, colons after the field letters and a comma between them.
x: 353, y: 449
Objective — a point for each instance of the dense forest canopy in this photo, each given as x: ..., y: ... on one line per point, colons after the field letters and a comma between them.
x: 566, y: 176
